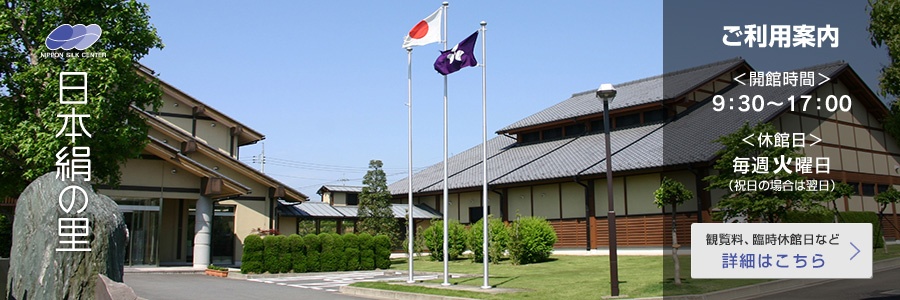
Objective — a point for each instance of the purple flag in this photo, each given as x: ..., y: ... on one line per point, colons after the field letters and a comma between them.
x: 462, y: 55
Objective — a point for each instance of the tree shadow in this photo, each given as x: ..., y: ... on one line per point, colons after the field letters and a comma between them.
x: 508, y: 279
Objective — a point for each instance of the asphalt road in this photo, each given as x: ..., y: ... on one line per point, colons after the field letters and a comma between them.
x: 884, y: 285
x: 202, y: 287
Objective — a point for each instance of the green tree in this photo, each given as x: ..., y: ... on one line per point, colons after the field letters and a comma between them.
x: 884, y: 30
x: 375, y: 213
x: 768, y: 205
x: 814, y: 201
x: 672, y: 193
x: 29, y: 87
x: 888, y: 197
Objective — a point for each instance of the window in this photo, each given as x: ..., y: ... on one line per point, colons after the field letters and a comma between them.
x: 654, y: 116
x: 868, y: 189
x: 597, y: 126
x: 530, y: 137
x: 475, y: 213
x: 882, y: 188
x: 628, y: 120
x: 575, y: 130
x: 855, y: 186
x: 352, y: 199
x: 552, y: 133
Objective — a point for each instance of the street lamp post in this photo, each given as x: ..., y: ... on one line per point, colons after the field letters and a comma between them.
x: 607, y: 92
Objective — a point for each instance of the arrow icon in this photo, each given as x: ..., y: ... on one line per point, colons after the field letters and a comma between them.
x: 739, y: 76
x: 819, y: 140
x: 745, y: 140
x: 826, y: 79
x: 857, y: 250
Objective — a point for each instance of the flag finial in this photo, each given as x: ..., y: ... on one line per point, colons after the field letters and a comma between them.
x: 483, y: 23
x: 446, y: 3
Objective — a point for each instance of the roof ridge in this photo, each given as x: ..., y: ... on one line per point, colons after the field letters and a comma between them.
x: 824, y: 65
x: 676, y: 72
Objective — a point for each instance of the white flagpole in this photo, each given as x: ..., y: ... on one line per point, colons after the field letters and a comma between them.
x: 409, y: 219
x: 484, y: 183
x: 446, y: 193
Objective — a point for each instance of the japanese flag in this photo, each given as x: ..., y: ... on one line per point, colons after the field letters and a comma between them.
x: 425, y: 32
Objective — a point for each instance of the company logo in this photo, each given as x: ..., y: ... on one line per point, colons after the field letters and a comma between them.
x: 68, y: 37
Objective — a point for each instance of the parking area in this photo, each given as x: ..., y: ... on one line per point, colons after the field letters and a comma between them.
x: 201, y: 287
x: 332, y: 282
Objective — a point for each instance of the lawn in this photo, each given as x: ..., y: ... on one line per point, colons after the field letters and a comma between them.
x: 577, y: 277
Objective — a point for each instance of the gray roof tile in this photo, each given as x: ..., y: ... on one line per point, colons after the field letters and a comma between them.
x: 311, y: 209
x: 688, y: 139
x: 630, y: 93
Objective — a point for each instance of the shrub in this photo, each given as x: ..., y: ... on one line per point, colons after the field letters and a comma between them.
x: 419, y: 242
x: 865, y: 217
x: 434, y: 239
x: 298, y: 253
x: 313, y: 246
x: 366, y: 252
x: 382, y: 252
x: 327, y: 258
x: 278, y: 255
x: 337, y: 249
x: 252, y: 259
x: 532, y: 240
x: 351, y: 251
x: 814, y: 216
x: 498, y: 239
x: 5, y: 235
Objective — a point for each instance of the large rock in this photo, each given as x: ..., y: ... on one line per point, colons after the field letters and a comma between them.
x: 37, y: 270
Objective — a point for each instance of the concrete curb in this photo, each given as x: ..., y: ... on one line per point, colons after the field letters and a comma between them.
x: 386, y: 294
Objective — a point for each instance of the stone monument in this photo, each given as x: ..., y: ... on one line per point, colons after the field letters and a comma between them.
x: 38, y: 269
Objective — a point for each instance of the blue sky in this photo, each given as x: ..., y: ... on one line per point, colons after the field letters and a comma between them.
x: 326, y: 81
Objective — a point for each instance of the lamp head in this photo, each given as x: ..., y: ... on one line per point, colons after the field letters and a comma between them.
x: 606, y: 91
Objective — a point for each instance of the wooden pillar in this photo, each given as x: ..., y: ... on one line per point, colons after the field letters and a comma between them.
x: 591, y: 215
x: 504, y: 206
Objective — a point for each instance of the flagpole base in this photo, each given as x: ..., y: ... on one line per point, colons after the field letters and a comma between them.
x: 486, y: 287
x: 410, y: 281
x: 445, y: 284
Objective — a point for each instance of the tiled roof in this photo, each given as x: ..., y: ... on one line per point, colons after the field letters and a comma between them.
x: 629, y: 94
x: 311, y: 209
x: 688, y: 139
x: 341, y: 188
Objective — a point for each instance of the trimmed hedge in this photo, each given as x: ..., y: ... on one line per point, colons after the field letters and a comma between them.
x: 328, y: 259
x: 808, y: 217
x: 338, y: 249
x: 434, y: 239
x: 313, y: 247
x: 366, y: 252
x: 252, y: 260
x: 532, y: 240
x: 498, y: 235
x: 382, y: 252
x: 845, y: 217
x: 315, y: 253
x: 351, y: 251
x: 278, y: 254
x: 298, y: 253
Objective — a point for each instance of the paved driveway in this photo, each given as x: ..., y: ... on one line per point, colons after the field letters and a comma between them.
x: 202, y: 287
x: 332, y: 282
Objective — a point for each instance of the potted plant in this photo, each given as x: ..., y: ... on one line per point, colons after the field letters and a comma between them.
x: 213, y: 270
